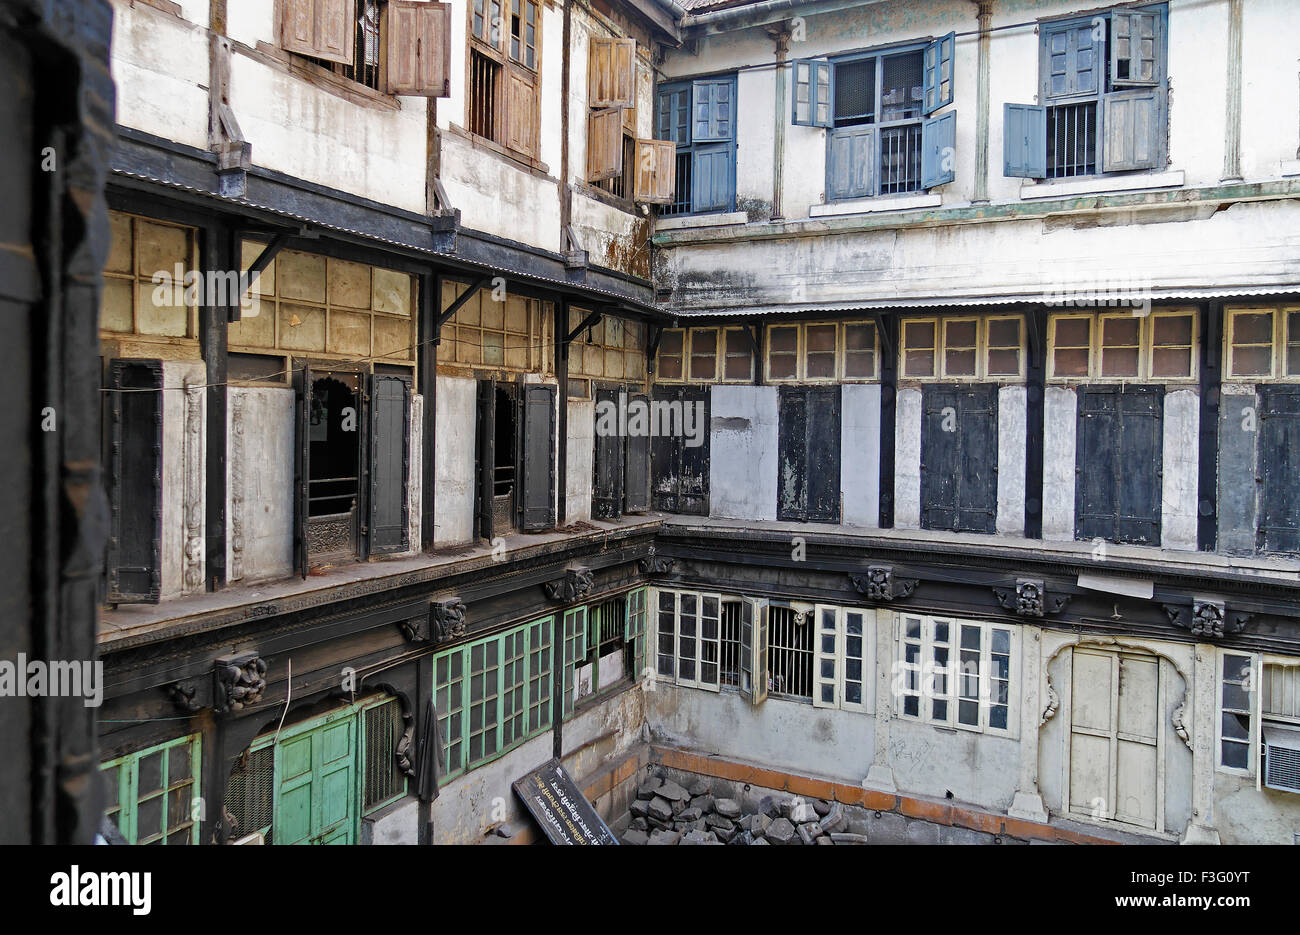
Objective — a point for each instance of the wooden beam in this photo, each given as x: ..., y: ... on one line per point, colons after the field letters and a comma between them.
x: 465, y: 297
x: 588, y: 322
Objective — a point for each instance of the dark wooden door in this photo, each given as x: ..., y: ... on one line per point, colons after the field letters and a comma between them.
x: 959, y: 457
x: 808, y: 454
x: 1279, y: 469
x: 1119, y: 452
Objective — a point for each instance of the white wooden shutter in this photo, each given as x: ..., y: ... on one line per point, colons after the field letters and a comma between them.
x: 710, y: 642
x: 753, y: 650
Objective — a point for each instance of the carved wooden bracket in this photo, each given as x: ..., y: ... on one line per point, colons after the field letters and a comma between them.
x: 445, y: 621
x: 1207, y: 618
x: 182, y: 694
x: 574, y: 586
x: 881, y: 584
x: 238, y: 682
x: 654, y: 564
x: 1029, y: 598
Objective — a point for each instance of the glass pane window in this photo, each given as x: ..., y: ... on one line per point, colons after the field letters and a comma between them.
x: 819, y: 352
x: 1293, y: 344
x: 153, y: 795
x: 1121, y: 342
x: 1250, y: 335
x: 1171, y: 345
x: 859, y: 350
x: 919, y: 348
x: 670, y: 354
x: 960, y: 338
x: 956, y: 673
x: 704, y: 354
x: 783, y: 352
x: 1234, y: 711
x: 1071, y: 347
x: 739, y: 365
x: 1004, y: 347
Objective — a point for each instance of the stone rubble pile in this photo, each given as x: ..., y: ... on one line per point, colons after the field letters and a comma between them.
x: 666, y: 813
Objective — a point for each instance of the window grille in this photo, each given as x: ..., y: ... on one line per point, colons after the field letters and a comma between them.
x: 483, y: 96
x: 250, y: 793
x: 1072, y: 140
x: 681, y: 202
x: 729, y: 674
x: 855, y: 93
x: 790, y: 654
x: 384, y: 779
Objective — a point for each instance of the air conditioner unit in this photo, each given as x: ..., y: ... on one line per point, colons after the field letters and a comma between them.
x: 1282, y: 758
x: 255, y: 838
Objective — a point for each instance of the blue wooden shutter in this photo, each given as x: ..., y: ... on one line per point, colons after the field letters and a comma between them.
x: 711, y: 178
x: 1136, y: 49
x: 674, y: 116
x: 713, y: 110
x: 607, y: 469
x: 1024, y: 141
x: 939, y: 150
x: 938, y: 64
x: 537, y: 459
x: 1070, y: 58
x: 135, y: 482
x: 636, y: 471
x: 1279, y: 469
x: 1132, y: 130
x: 390, y: 404
x: 851, y: 162
x: 811, y: 98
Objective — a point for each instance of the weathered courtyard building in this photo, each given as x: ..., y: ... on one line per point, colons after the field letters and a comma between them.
x: 889, y: 402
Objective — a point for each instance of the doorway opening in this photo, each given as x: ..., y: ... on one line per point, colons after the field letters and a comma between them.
x: 334, y: 472
x: 504, y: 462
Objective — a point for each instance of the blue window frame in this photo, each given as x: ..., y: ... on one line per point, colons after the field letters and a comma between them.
x: 699, y: 116
x: 1103, y: 98
x: 876, y: 106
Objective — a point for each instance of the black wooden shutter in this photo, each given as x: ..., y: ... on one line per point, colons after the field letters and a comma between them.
x: 301, y: 464
x: 941, y: 463
x: 537, y: 458
x: 792, y: 454
x: 693, y: 492
x: 1119, y: 457
x: 607, y: 466
x: 135, y: 482
x: 1279, y: 469
x: 823, y: 453
x: 680, y: 471
x: 390, y: 406
x: 485, y: 454
x: 636, y: 474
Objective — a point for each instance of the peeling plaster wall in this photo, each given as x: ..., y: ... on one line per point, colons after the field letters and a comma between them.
x: 498, y: 196
x: 453, y: 516
x: 1059, y: 421
x: 743, y: 452
x: 860, y: 453
x: 581, y: 458
x: 1180, y: 470
x: 907, y: 459
x: 266, y: 468
x: 470, y: 804
x: 1246, y: 815
x: 1012, y: 432
x: 160, y: 67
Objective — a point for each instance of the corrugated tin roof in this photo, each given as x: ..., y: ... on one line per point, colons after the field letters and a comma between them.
x: 567, y: 285
x: 703, y: 6
x: 1035, y: 298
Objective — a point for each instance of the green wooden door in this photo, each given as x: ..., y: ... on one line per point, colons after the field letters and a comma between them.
x: 316, y: 791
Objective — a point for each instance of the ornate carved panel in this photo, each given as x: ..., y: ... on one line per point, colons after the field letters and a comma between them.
x: 236, y: 456
x: 1030, y: 598
x: 192, y: 558
x: 1207, y: 618
x: 238, y: 681
x: 574, y: 586
x: 879, y: 583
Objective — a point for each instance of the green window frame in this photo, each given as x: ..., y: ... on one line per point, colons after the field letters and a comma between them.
x: 155, y: 792
x: 493, y: 694
x: 635, y: 630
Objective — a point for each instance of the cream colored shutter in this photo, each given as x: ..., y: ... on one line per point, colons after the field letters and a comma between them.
x: 611, y: 72
x: 319, y: 28
x: 656, y: 171
x: 419, y: 48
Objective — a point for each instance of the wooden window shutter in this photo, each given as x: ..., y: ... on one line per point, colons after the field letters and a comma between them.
x: 1024, y: 141
x: 604, y: 145
x: 1136, y: 49
x: 811, y: 104
x: 656, y: 171
x: 319, y: 28
x: 939, y: 150
x: 537, y: 461
x: 1133, y: 130
x: 389, y: 462
x: 852, y: 158
x: 607, y: 476
x: 419, y: 48
x: 636, y: 464
x: 938, y: 83
x: 135, y: 482
x: 611, y: 72
x: 1278, y: 455
x: 521, y: 112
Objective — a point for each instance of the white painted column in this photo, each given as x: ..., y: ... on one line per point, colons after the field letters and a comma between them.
x: 1204, y: 713
x: 907, y: 459
x: 743, y: 452
x: 414, y: 486
x: 1028, y: 800
x: 1059, y: 418
x: 881, y: 774
x: 1181, y: 470
x: 1012, y: 414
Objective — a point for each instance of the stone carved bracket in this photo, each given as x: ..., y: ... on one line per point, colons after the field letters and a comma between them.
x: 238, y: 682
x: 881, y: 584
x: 574, y: 586
x: 182, y: 694
x: 1029, y: 598
x: 1207, y: 619
x: 447, y: 620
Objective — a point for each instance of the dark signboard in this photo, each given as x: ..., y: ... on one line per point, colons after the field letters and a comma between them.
x: 563, y: 812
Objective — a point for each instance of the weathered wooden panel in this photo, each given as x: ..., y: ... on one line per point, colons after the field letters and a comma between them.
x: 808, y: 460
x: 1119, y: 452
x: 959, y: 457
x: 537, y: 461
x: 636, y: 472
x: 485, y: 455
x: 607, y: 470
x: 390, y: 404
x: 680, y: 469
x: 135, y: 482
x: 1279, y: 469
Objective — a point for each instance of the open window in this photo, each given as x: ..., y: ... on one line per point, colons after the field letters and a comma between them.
x: 505, y: 67
x: 515, y: 456
x: 699, y: 117
x: 1103, y: 99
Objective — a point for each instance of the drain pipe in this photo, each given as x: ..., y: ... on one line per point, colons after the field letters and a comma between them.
x: 781, y: 38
